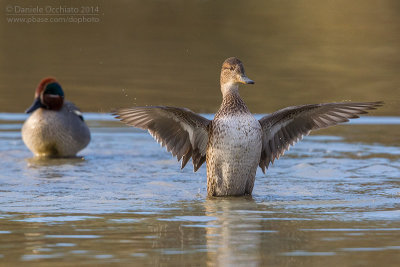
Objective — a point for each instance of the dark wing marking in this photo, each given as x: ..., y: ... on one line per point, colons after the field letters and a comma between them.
x: 74, y: 109
x: 287, y: 126
x: 182, y: 131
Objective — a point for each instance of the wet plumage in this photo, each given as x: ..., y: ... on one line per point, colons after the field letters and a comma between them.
x: 234, y: 143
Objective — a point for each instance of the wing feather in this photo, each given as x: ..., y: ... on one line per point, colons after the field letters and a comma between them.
x: 287, y: 126
x: 183, y: 132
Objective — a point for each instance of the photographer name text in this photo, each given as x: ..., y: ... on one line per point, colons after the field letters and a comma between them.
x: 52, y: 10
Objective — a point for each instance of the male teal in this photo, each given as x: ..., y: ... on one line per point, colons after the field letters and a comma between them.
x: 56, y: 127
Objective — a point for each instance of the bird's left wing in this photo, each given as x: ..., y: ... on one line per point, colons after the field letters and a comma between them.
x: 287, y: 126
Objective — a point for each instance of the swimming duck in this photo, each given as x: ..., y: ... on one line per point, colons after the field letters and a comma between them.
x: 234, y: 143
x: 56, y: 127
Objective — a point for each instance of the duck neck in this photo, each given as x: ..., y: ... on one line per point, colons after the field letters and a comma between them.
x: 232, y: 102
x: 231, y: 89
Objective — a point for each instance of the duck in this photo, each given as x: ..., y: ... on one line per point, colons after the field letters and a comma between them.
x: 55, y: 127
x: 234, y: 144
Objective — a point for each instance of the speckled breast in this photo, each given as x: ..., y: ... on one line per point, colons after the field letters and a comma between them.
x: 233, y: 155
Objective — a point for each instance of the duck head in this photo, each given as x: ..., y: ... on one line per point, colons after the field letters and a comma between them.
x: 232, y: 74
x: 48, y: 95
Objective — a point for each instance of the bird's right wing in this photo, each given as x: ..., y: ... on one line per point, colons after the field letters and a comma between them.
x: 183, y: 132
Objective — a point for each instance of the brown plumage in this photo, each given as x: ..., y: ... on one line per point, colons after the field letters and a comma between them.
x: 234, y: 143
x: 287, y: 126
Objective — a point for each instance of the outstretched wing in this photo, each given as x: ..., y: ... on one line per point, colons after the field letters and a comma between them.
x: 287, y: 126
x: 182, y: 131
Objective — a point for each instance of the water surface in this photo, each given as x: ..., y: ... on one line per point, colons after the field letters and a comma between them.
x: 333, y: 199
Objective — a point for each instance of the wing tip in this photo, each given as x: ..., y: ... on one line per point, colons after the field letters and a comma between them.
x: 377, y: 104
x: 117, y: 112
x: 262, y: 166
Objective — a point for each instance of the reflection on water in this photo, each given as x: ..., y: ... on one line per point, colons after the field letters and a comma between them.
x: 52, y: 167
x: 215, y: 233
x: 235, y: 235
x: 332, y: 200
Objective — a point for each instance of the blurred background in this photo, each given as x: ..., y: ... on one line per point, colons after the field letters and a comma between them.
x: 161, y: 52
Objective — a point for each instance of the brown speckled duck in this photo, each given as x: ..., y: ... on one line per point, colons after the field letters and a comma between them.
x: 234, y: 143
x: 56, y: 127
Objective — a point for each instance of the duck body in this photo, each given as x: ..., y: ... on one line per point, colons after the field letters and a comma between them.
x: 234, y: 143
x: 49, y: 133
x: 54, y: 130
x: 233, y: 151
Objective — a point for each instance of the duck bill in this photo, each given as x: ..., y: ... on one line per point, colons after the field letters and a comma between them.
x: 244, y: 79
x: 36, y: 104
